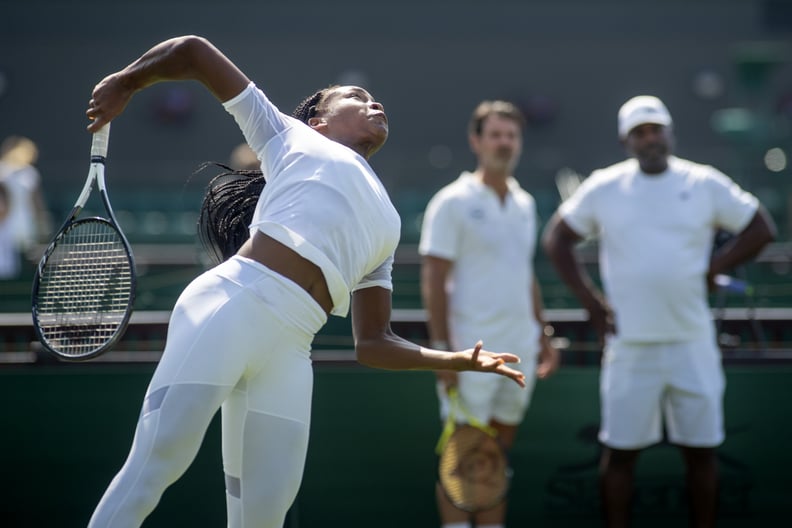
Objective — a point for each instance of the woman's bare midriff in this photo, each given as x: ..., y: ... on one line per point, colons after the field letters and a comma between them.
x: 287, y: 262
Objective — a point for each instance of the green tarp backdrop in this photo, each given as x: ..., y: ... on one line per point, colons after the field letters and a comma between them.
x: 67, y: 429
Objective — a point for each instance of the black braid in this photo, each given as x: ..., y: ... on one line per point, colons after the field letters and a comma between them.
x: 227, y: 210
x: 309, y: 107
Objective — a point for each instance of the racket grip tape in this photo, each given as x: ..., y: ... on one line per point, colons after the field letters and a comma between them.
x: 100, y: 140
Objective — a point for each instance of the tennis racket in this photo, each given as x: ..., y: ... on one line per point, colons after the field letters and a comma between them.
x: 472, y: 471
x: 84, y: 285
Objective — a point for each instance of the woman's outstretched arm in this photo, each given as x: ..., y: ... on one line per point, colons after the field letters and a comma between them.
x: 377, y: 346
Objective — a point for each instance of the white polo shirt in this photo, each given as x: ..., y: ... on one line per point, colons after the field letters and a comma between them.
x: 321, y: 199
x: 656, y: 234
x: 492, y: 246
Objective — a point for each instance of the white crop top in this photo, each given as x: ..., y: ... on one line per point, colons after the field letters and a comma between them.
x: 322, y: 199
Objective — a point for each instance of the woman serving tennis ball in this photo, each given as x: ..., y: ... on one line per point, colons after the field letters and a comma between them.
x: 323, y: 231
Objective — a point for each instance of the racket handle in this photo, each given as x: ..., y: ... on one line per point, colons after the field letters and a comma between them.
x: 100, y: 140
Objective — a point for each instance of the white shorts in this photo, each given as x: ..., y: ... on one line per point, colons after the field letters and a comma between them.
x: 644, y: 385
x: 487, y: 396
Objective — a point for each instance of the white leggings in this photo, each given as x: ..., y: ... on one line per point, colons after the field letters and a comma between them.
x: 239, y: 337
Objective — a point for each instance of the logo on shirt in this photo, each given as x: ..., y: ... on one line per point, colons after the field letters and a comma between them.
x: 477, y: 214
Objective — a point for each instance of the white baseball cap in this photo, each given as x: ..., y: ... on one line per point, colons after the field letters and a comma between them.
x: 641, y: 110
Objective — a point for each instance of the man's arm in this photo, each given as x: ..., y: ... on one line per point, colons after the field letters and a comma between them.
x: 559, y: 241
x: 181, y: 58
x: 434, y: 273
x: 549, y: 357
x: 746, y: 245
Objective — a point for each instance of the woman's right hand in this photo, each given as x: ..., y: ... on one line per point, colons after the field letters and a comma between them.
x: 108, y: 100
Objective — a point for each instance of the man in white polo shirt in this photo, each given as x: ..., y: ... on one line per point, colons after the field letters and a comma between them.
x: 655, y: 216
x: 478, y: 240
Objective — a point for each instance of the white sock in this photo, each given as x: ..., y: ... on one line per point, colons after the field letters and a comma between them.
x: 456, y: 525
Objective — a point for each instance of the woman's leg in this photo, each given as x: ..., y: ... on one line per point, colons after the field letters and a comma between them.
x: 266, y: 419
x: 203, y: 360
x: 273, y: 448
x: 168, y: 435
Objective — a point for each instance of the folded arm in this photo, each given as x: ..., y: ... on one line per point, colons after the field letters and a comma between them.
x: 746, y: 245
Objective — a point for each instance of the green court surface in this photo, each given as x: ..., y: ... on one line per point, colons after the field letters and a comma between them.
x: 67, y: 429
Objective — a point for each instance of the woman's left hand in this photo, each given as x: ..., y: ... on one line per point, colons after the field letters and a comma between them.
x: 482, y: 360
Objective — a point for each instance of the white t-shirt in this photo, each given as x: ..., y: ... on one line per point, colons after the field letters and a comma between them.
x: 656, y: 234
x: 321, y: 199
x: 492, y: 246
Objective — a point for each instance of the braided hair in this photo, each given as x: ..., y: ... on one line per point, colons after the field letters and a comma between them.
x: 309, y: 107
x: 231, y: 197
x: 227, y: 210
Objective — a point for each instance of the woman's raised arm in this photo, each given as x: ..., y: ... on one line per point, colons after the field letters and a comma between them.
x: 180, y: 58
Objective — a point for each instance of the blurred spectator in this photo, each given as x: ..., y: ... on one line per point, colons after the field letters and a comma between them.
x: 243, y: 158
x: 477, y: 282
x: 27, y: 210
x: 9, y: 249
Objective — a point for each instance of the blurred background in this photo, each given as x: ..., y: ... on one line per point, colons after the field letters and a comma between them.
x: 724, y: 69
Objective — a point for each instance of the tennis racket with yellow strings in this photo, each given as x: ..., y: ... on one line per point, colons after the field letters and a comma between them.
x: 473, y: 470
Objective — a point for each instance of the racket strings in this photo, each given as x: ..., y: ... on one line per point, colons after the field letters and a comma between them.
x: 85, y: 288
x: 473, y: 470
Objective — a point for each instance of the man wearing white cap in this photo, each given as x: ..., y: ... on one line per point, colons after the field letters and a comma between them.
x: 655, y: 216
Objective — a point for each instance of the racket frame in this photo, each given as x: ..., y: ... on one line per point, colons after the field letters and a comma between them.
x: 96, y: 175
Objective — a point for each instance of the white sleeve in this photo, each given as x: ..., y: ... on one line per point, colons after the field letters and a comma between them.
x: 257, y: 117
x: 439, y: 232
x: 379, y: 277
x: 733, y: 207
x: 579, y: 210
